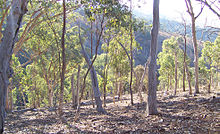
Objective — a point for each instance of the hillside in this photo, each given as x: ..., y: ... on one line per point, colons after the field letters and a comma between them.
x: 180, y: 114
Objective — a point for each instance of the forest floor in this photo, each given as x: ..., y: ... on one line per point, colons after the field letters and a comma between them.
x: 177, y: 114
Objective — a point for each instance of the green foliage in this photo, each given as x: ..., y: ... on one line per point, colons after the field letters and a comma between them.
x: 209, y: 61
x: 166, y: 60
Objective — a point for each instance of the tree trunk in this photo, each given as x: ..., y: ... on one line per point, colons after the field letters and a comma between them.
x: 50, y: 92
x: 142, y: 82
x: 184, y: 60
x: 60, y: 108
x: 195, y: 45
x: 78, y: 85
x: 105, y: 80
x: 176, y: 81
x: 18, y: 9
x: 195, y: 57
x: 94, y: 79
x: 131, y: 51
x: 152, y: 83
x: 168, y: 83
x: 210, y: 81
x: 189, y: 79
x: 73, y: 91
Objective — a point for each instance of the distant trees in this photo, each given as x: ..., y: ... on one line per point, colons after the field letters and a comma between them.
x: 209, y: 63
x: 171, y: 63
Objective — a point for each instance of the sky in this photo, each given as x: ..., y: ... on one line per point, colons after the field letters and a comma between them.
x: 174, y: 9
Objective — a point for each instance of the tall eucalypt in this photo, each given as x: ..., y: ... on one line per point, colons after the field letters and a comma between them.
x: 14, y: 19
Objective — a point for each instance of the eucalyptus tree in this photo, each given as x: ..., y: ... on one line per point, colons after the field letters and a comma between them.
x: 152, y: 86
x: 166, y: 70
x: 118, y: 48
x: 13, y: 23
x: 195, y: 44
x: 207, y: 56
x: 216, y: 58
x: 105, y: 14
x: 209, y: 62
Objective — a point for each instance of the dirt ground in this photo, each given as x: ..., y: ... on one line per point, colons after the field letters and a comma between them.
x: 181, y: 114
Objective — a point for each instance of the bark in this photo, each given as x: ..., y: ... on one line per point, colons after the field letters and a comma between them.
x: 18, y: 9
x: 195, y: 45
x: 95, y: 87
x: 78, y: 85
x: 73, y: 91
x: 105, y: 78
x: 129, y: 61
x: 50, y: 92
x: 184, y: 59
x: 131, y: 51
x: 93, y: 74
x: 210, y: 81
x: 63, y: 61
x: 168, y: 83
x: 142, y: 82
x: 176, y: 81
x: 152, y: 83
x: 189, y: 79
x: 195, y: 57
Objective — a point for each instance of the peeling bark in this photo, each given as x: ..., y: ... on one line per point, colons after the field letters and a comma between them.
x: 18, y: 9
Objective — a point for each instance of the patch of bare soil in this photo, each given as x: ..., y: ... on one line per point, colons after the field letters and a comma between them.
x: 177, y: 114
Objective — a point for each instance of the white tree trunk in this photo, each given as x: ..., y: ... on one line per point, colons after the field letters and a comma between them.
x: 152, y: 82
x: 95, y: 84
x: 18, y: 9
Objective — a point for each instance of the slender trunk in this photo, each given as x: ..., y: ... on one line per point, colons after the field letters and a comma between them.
x: 184, y: 61
x: 24, y: 99
x: 142, y: 82
x: 119, y: 87
x: 78, y: 86
x: 131, y: 51
x: 63, y: 61
x: 152, y: 83
x: 176, y: 81
x: 11, y: 101
x: 7, y: 100
x: 168, y: 83
x: 210, y: 81
x: 195, y: 45
x: 105, y: 79
x: 189, y: 79
x: 73, y: 91
x: 195, y: 56
x: 104, y: 89
x: 217, y: 78
x: 116, y: 87
x: 91, y: 34
x: 50, y: 100
x: 184, y: 76
x: 92, y: 96
x: 13, y: 23
x: 94, y: 79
